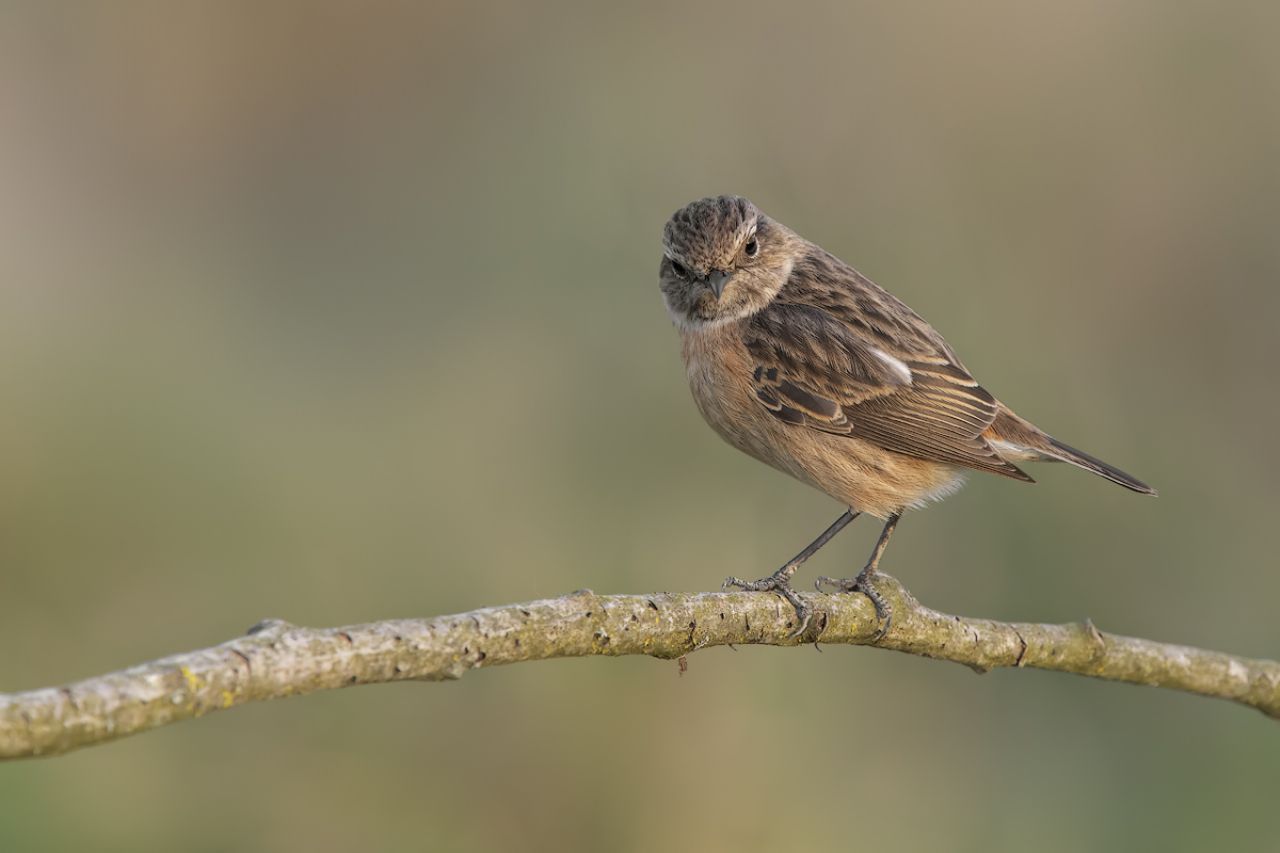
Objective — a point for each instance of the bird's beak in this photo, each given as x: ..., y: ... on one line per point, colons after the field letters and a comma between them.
x: 717, y: 279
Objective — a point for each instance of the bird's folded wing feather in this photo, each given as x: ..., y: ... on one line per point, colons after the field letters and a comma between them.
x: 828, y: 369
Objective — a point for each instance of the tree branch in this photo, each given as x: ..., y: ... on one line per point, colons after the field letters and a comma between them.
x: 278, y: 659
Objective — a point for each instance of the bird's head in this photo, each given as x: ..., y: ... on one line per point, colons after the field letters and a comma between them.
x: 722, y: 260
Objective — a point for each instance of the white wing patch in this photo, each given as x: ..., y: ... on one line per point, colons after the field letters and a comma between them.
x: 899, y: 368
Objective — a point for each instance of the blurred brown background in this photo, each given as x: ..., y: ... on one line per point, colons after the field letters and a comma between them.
x: 338, y: 312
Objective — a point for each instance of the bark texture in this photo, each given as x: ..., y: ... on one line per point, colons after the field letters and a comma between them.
x: 277, y: 659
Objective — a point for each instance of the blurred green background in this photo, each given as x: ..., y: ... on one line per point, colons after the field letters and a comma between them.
x: 338, y: 312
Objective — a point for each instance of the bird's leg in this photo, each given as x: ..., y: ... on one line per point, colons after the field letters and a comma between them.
x: 780, y: 581
x: 863, y: 582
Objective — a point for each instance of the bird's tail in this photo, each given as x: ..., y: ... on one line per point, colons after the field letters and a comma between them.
x: 1015, y: 438
x: 1066, y: 453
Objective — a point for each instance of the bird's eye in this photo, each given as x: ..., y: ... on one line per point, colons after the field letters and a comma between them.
x: 678, y: 268
x: 751, y: 248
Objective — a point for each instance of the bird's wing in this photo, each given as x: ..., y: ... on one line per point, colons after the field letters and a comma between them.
x: 840, y: 369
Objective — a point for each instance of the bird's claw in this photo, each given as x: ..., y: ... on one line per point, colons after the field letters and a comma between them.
x: 779, y: 582
x: 862, y: 583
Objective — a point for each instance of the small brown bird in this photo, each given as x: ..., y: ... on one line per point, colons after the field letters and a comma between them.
x: 799, y: 360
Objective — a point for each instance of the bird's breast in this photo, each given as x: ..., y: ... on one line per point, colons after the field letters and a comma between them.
x: 857, y: 473
x: 719, y: 369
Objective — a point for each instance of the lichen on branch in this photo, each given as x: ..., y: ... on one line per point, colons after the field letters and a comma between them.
x: 277, y: 659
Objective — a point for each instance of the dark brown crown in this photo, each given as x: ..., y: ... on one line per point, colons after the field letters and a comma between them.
x: 705, y: 234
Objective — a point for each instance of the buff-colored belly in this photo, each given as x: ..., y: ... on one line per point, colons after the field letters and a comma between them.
x: 856, y: 473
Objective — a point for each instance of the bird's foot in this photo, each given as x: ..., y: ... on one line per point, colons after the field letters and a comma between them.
x: 865, y: 584
x: 779, y: 582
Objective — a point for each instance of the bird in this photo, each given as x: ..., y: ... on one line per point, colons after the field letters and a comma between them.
x: 802, y: 362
